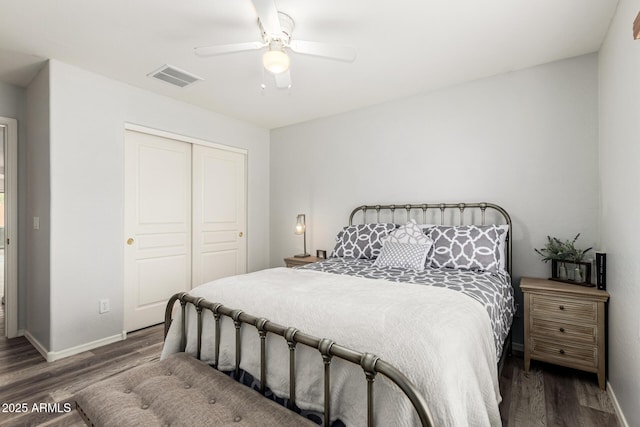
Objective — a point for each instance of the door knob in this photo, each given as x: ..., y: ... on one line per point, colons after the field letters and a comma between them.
x: 130, y: 241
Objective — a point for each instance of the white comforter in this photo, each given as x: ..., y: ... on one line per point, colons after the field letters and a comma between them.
x: 440, y: 339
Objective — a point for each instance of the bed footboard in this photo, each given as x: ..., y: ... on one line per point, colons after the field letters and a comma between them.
x: 370, y: 364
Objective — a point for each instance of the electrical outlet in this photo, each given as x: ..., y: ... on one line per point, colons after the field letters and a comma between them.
x: 104, y: 306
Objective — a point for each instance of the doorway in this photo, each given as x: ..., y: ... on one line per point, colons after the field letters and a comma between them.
x: 8, y: 223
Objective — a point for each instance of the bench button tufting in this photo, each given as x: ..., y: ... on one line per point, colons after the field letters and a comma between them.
x: 237, y: 419
x: 145, y: 406
x: 128, y: 391
x: 168, y: 373
x: 187, y: 386
x: 212, y: 401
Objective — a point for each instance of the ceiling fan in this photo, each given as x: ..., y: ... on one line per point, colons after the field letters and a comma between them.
x: 276, y: 28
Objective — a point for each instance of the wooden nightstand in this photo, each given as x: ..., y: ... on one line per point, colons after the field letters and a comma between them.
x: 564, y: 324
x: 294, y: 262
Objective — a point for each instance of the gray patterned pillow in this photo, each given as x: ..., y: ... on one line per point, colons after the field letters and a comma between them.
x: 361, y: 240
x: 411, y: 232
x: 411, y: 256
x: 467, y: 247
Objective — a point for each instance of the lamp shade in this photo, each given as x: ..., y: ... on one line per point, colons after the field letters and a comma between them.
x: 301, y: 228
x: 300, y: 224
x: 275, y: 61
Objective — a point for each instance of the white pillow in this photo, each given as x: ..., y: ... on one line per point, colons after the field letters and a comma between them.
x: 411, y: 256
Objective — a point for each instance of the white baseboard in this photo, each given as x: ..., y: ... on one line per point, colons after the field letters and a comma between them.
x: 52, y: 356
x: 616, y: 405
x: 36, y: 344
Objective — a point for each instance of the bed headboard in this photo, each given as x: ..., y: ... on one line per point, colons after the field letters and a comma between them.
x: 438, y: 214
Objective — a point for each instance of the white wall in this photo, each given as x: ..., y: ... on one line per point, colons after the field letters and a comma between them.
x: 88, y: 115
x: 13, y: 104
x: 38, y: 196
x: 620, y: 203
x: 525, y: 140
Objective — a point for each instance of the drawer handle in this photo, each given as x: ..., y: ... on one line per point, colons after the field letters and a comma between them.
x: 561, y: 329
x: 561, y: 351
x: 561, y: 307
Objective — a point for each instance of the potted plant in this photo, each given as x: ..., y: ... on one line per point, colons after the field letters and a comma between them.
x: 560, y: 253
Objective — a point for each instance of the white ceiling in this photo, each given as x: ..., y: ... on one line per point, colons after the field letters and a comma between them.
x: 405, y: 47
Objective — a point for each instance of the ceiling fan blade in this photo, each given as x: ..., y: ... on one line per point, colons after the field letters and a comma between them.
x: 268, y: 15
x: 221, y: 49
x: 283, y: 80
x: 341, y: 53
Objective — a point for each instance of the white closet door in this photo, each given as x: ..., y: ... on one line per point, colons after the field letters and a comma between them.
x: 157, y: 225
x: 219, y: 214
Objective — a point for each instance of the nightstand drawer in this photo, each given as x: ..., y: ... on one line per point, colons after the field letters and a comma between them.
x: 568, y: 355
x: 564, y: 308
x: 564, y: 332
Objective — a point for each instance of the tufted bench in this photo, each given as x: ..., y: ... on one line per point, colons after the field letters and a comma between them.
x: 179, y: 391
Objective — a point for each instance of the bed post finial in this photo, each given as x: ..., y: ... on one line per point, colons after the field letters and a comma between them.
x: 199, y: 311
x: 289, y: 335
x: 324, y: 346
x: 261, y: 326
x: 368, y: 363
x: 235, y: 315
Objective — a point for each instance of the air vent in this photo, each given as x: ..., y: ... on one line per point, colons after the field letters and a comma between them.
x: 175, y: 76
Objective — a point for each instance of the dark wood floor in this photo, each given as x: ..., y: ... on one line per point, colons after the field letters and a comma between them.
x: 550, y: 395
x: 545, y: 396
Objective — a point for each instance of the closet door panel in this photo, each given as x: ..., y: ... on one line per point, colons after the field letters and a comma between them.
x: 158, y: 229
x: 219, y: 213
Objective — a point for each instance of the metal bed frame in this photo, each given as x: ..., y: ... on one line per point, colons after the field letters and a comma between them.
x: 448, y: 213
x: 370, y: 363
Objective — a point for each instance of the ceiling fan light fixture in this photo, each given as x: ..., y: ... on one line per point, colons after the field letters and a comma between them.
x: 276, y: 61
